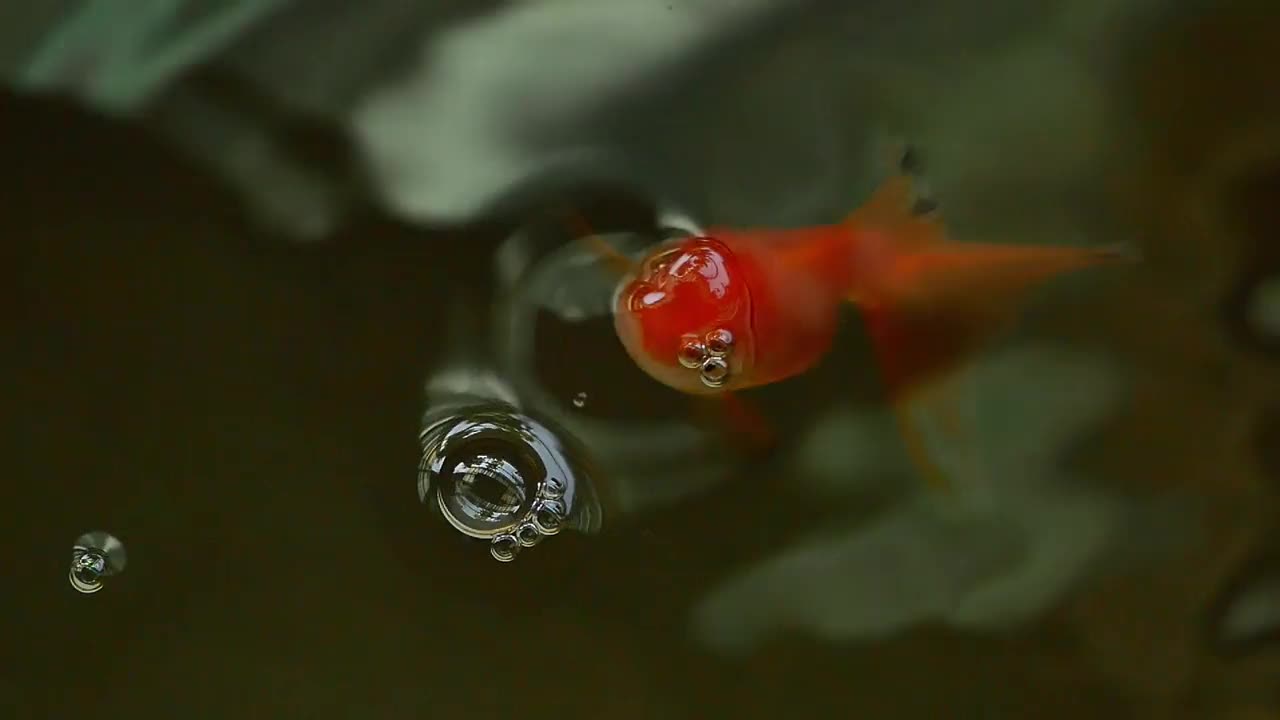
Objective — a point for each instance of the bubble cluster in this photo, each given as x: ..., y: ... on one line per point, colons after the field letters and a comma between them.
x: 499, y: 476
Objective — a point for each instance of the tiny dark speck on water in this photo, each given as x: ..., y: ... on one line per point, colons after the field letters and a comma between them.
x: 924, y: 206
x: 910, y: 162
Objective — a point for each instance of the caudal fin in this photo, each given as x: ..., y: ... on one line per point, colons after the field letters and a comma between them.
x: 932, y: 304
x: 954, y: 300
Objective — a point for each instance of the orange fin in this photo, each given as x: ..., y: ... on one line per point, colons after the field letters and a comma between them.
x: 618, y: 262
x: 746, y: 420
x: 982, y: 280
x: 898, y: 209
x: 933, y: 303
x: 913, y: 354
x: 939, y: 310
x: 901, y: 206
x: 938, y: 423
x: 740, y: 418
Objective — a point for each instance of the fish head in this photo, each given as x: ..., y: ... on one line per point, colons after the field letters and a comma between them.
x: 684, y: 317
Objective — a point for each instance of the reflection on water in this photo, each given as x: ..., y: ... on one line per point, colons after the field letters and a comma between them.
x: 246, y: 413
x: 989, y: 557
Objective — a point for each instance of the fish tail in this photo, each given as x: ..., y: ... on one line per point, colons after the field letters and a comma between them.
x: 938, y: 309
x: 930, y: 304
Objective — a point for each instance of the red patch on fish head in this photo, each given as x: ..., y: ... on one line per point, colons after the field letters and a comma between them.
x: 685, y: 318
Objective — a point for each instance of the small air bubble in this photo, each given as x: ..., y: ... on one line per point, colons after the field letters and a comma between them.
x: 504, y: 548
x: 95, y: 557
x: 547, y: 520
x: 553, y: 488
x: 580, y: 400
x: 527, y: 535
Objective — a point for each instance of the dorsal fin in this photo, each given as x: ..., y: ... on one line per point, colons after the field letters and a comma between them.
x: 901, y: 207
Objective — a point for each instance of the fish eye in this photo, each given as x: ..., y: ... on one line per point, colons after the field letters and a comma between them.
x: 719, y: 342
x: 691, y: 353
x: 714, y: 372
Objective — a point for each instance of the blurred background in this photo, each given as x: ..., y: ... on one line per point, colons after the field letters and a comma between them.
x: 243, y: 236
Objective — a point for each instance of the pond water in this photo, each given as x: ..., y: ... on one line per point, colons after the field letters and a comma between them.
x: 241, y: 413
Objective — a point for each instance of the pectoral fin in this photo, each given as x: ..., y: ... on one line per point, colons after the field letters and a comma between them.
x: 618, y: 263
x: 739, y: 418
x: 932, y: 401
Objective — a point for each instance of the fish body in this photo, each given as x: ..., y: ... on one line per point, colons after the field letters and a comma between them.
x: 731, y: 309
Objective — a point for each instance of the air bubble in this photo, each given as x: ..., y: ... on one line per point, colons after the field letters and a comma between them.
x: 692, y: 353
x: 499, y: 476
x: 528, y: 535
x: 504, y: 548
x: 94, y: 557
x: 719, y: 342
x: 486, y: 487
x: 553, y: 488
x: 580, y: 400
x: 548, y: 515
x: 715, y: 372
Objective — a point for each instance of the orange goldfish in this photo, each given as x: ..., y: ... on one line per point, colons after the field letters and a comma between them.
x: 737, y: 308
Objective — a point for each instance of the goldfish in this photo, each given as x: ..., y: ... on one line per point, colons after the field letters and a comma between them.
x: 728, y: 309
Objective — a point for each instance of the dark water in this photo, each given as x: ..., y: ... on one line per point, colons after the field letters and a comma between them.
x: 249, y: 413
x: 243, y: 414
